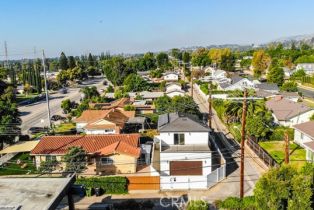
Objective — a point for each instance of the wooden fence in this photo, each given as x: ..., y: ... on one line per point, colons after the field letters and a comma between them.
x: 261, y: 153
x: 143, y: 183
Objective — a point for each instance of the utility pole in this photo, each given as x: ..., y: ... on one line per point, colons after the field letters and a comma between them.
x: 192, y: 91
x: 243, y: 135
x: 209, y: 107
x: 46, y: 88
x: 286, y: 148
x: 6, y: 55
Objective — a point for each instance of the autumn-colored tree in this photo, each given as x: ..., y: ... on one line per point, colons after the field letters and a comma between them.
x: 260, y: 62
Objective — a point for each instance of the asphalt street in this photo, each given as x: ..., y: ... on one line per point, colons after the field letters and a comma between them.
x: 36, y: 114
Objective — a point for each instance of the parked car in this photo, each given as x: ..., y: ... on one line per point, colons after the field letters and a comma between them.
x: 57, y: 117
x: 63, y: 90
x: 35, y: 130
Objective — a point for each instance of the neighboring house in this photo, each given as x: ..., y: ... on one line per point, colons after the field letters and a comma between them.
x: 173, y: 86
x: 292, y: 96
x: 238, y: 83
x: 174, y: 89
x: 288, y: 72
x: 288, y: 113
x: 185, y: 153
x: 268, y: 87
x: 143, y: 107
x: 106, y: 154
x: 119, y: 103
x: 171, y: 76
x: 307, y: 67
x: 146, y: 95
x: 103, y: 121
x: 218, y: 74
x: 174, y: 93
x: 304, y: 136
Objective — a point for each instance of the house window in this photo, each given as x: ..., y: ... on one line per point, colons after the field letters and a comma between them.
x: 106, y: 161
x: 179, y: 139
x: 51, y: 158
x: 302, y: 136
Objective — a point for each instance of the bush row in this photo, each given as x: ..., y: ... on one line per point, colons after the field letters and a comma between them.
x: 110, y: 184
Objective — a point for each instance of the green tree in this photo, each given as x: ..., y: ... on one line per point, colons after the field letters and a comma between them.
x: 298, y: 74
x: 63, y: 62
x: 289, y: 86
x: 260, y: 62
x: 285, y: 188
x: 9, y: 115
x: 134, y: 83
x: 72, y: 63
x: 90, y: 60
x: 66, y: 105
x: 90, y: 92
x: 75, y: 160
x: 176, y: 53
x: 276, y: 75
x: 162, y: 60
x: 200, y: 57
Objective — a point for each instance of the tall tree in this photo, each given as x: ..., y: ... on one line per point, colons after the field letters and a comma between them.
x: 63, y: 62
x: 90, y: 60
x: 162, y: 60
x: 276, y: 75
x: 71, y: 62
x: 260, y: 62
x: 75, y: 160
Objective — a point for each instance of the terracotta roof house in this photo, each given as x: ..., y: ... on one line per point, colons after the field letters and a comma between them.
x: 288, y: 113
x: 104, y: 153
x: 304, y: 136
x: 103, y: 121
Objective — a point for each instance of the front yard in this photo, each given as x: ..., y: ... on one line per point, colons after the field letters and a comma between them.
x: 19, y: 164
x: 277, y: 150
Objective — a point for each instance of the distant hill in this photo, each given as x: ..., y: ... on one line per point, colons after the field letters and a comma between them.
x: 297, y: 40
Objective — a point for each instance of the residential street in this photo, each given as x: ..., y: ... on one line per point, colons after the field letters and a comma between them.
x: 253, y: 168
x: 36, y: 114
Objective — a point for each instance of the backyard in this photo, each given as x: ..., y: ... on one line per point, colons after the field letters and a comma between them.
x: 277, y: 148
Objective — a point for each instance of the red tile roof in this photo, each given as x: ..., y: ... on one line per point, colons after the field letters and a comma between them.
x: 92, y: 116
x: 90, y: 143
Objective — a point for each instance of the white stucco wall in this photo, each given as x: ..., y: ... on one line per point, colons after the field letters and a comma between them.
x: 301, y: 139
x: 100, y: 131
x: 305, y: 117
x: 190, y: 138
x: 80, y: 127
x: 168, y: 182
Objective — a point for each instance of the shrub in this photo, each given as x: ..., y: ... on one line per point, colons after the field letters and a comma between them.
x: 197, y: 205
x: 233, y: 203
x: 110, y: 184
x: 129, y: 108
x: 279, y: 133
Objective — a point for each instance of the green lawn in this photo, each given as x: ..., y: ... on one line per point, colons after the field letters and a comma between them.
x: 64, y: 127
x: 276, y: 150
x: 12, y: 168
x: 22, y: 97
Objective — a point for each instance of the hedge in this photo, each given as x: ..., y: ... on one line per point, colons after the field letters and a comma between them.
x: 109, y: 184
x: 197, y: 205
x: 235, y: 203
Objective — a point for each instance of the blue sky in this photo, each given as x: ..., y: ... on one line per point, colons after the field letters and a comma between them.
x: 78, y: 26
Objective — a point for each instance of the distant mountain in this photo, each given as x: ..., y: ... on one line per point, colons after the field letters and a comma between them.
x: 299, y: 39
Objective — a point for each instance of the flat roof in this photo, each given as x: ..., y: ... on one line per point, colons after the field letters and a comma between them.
x: 33, y: 193
x: 25, y: 146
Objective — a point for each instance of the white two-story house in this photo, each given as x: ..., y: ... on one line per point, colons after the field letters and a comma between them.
x: 185, y: 153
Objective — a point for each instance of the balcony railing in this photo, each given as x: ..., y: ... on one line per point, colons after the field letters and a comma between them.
x: 185, y: 148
